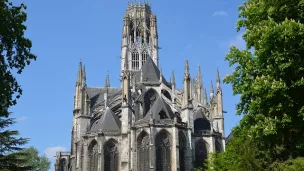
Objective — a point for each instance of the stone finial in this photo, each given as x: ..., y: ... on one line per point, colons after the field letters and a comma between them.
x: 186, y: 71
x: 211, y: 90
x: 84, y: 77
x: 173, y: 79
x: 199, y: 77
x: 79, y: 75
x: 107, y: 83
x: 218, y: 80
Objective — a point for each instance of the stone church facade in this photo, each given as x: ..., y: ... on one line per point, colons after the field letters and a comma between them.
x: 147, y: 124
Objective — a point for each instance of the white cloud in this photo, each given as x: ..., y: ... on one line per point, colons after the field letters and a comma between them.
x: 22, y: 118
x: 238, y: 41
x: 220, y: 13
x: 50, y: 152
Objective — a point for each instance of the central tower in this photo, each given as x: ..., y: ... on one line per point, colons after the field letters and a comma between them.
x: 139, y: 37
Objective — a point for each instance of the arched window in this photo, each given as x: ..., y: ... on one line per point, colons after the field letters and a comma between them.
x: 131, y: 27
x: 201, y: 124
x: 218, y: 146
x: 143, y: 152
x: 163, y: 151
x: 182, y: 151
x: 93, y: 155
x: 144, y: 57
x: 149, y: 98
x: 63, y: 165
x: 135, y: 60
x: 200, y: 153
x: 162, y: 114
x: 110, y: 156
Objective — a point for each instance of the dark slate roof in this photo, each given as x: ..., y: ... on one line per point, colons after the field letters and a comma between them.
x: 96, y: 95
x: 156, y: 108
x: 107, y: 122
x: 150, y: 74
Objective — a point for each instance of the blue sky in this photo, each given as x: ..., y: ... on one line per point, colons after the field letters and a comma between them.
x: 63, y: 32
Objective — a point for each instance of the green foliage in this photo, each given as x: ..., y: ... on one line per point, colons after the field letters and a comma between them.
x: 269, y: 77
x: 14, y: 56
x: 290, y: 165
x: 37, y: 162
x: 241, y: 154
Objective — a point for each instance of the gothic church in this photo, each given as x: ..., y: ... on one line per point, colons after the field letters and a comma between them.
x: 148, y: 124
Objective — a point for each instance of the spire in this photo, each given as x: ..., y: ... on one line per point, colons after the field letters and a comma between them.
x: 84, y: 77
x: 211, y: 91
x: 79, y: 75
x: 199, y: 85
x: 199, y: 77
x: 173, y: 79
x: 187, y: 86
x: 107, y: 84
x: 204, y: 97
x: 218, y: 80
x: 193, y: 88
x: 186, y: 71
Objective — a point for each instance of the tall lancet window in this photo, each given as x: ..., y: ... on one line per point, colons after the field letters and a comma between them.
x: 163, y: 151
x: 63, y: 165
x: 110, y: 156
x: 135, y: 60
x: 93, y: 155
x: 143, y: 161
x: 200, y: 153
x: 182, y: 151
x: 144, y: 56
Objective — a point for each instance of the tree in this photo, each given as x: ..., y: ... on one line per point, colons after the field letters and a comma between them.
x: 269, y: 76
x: 15, y: 54
x: 241, y: 154
x: 35, y: 161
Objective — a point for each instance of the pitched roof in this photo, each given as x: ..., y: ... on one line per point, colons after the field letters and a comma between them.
x: 107, y: 122
x: 158, y: 106
x: 96, y: 95
x: 149, y: 73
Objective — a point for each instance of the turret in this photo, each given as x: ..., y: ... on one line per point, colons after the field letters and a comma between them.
x: 139, y: 37
x: 80, y: 85
x: 81, y: 116
x: 218, y: 117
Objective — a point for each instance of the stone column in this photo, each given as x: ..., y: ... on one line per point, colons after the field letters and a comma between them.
x: 189, y: 152
x: 133, y: 160
x: 175, y: 148
x: 100, y: 141
x: 85, y: 157
x: 78, y: 155
x: 152, y: 147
